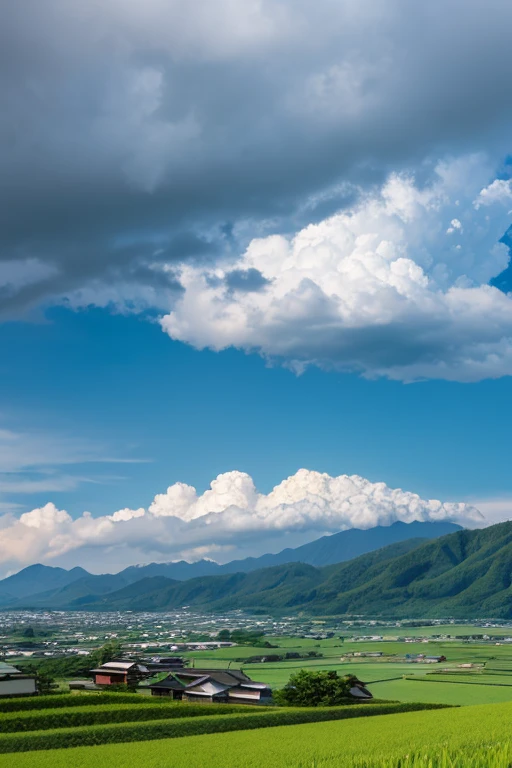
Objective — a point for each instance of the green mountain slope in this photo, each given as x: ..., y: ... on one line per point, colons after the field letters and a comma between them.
x: 40, y: 578
x: 285, y: 586
x: 79, y: 592
x: 45, y: 586
x: 467, y: 574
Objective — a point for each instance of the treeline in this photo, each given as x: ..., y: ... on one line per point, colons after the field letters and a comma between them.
x: 244, y: 637
x: 289, y: 656
x: 48, y: 670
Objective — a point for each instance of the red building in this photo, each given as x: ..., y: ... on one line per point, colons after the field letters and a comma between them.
x: 120, y: 673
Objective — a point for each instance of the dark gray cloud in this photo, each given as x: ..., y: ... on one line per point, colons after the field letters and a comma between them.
x: 131, y: 132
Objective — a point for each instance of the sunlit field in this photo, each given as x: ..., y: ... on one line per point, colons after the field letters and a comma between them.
x: 469, y: 733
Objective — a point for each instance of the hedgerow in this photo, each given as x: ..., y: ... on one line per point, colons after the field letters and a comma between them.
x: 76, y: 717
x: 190, y: 726
x: 71, y: 700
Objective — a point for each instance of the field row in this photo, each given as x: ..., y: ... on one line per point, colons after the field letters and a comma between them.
x: 173, y: 727
x: 74, y: 700
x: 74, y: 717
x: 476, y: 737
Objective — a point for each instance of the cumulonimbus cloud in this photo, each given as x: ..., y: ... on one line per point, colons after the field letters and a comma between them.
x: 397, y: 285
x: 181, y: 522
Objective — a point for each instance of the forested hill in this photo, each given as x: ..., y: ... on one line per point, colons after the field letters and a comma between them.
x: 46, y: 586
x: 466, y: 574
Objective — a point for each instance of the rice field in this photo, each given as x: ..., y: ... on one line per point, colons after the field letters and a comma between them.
x: 457, y: 694
x: 476, y: 737
x: 385, y: 675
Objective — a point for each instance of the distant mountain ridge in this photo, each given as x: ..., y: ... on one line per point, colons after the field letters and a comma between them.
x: 37, y: 578
x: 345, y: 545
x: 49, y: 587
x: 465, y: 575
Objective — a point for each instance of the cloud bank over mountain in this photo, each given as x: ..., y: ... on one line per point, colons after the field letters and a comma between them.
x: 229, y: 519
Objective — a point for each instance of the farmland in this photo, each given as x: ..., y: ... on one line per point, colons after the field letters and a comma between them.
x: 136, y: 731
x: 47, y: 726
x: 378, y: 741
x: 324, y: 644
x: 488, y: 681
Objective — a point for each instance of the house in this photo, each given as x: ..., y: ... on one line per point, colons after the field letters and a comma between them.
x: 164, y: 663
x: 120, y: 673
x: 14, y: 683
x: 169, y: 686
x: 212, y: 685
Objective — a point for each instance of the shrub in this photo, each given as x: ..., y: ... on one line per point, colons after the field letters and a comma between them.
x: 75, y: 717
x: 67, y: 700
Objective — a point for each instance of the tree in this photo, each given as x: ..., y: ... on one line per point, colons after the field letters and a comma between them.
x: 45, y: 683
x: 108, y: 652
x: 315, y: 689
x: 29, y: 632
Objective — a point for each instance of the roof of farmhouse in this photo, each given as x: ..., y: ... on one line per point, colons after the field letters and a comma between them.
x: 226, y: 676
x: 8, y: 669
x: 189, y: 678
x: 121, y: 667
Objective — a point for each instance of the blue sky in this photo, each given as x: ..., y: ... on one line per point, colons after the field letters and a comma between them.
x: 241, y: 240
x: 120, y: 385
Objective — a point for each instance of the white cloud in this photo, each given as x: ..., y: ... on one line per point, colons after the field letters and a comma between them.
x: 230, y: 516
x: 385, y: 288
x: 45, y: 518
x: 500, y: 191
x: 494, y: 510
x: 122, y: 515
x: 33, y: 462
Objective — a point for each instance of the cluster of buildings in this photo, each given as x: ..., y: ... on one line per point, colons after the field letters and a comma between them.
x: 181, y: 683
x: 421, y: 658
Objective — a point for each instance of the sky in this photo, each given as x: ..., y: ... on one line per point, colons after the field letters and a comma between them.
x: 254, y: 274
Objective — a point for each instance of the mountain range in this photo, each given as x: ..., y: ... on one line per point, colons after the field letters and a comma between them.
x: 466, y: 574
x: 40, y: 586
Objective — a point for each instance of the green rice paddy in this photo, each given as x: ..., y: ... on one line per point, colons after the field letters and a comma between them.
x: 386, y: 676
x: 476, y: 734
x: 465, y: 733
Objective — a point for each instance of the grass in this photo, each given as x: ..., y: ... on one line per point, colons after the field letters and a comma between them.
x: 476, y: 737
x: 475, y: 678
x: 439, y: 692
x: 394, y: 686
x: 146, y: 728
